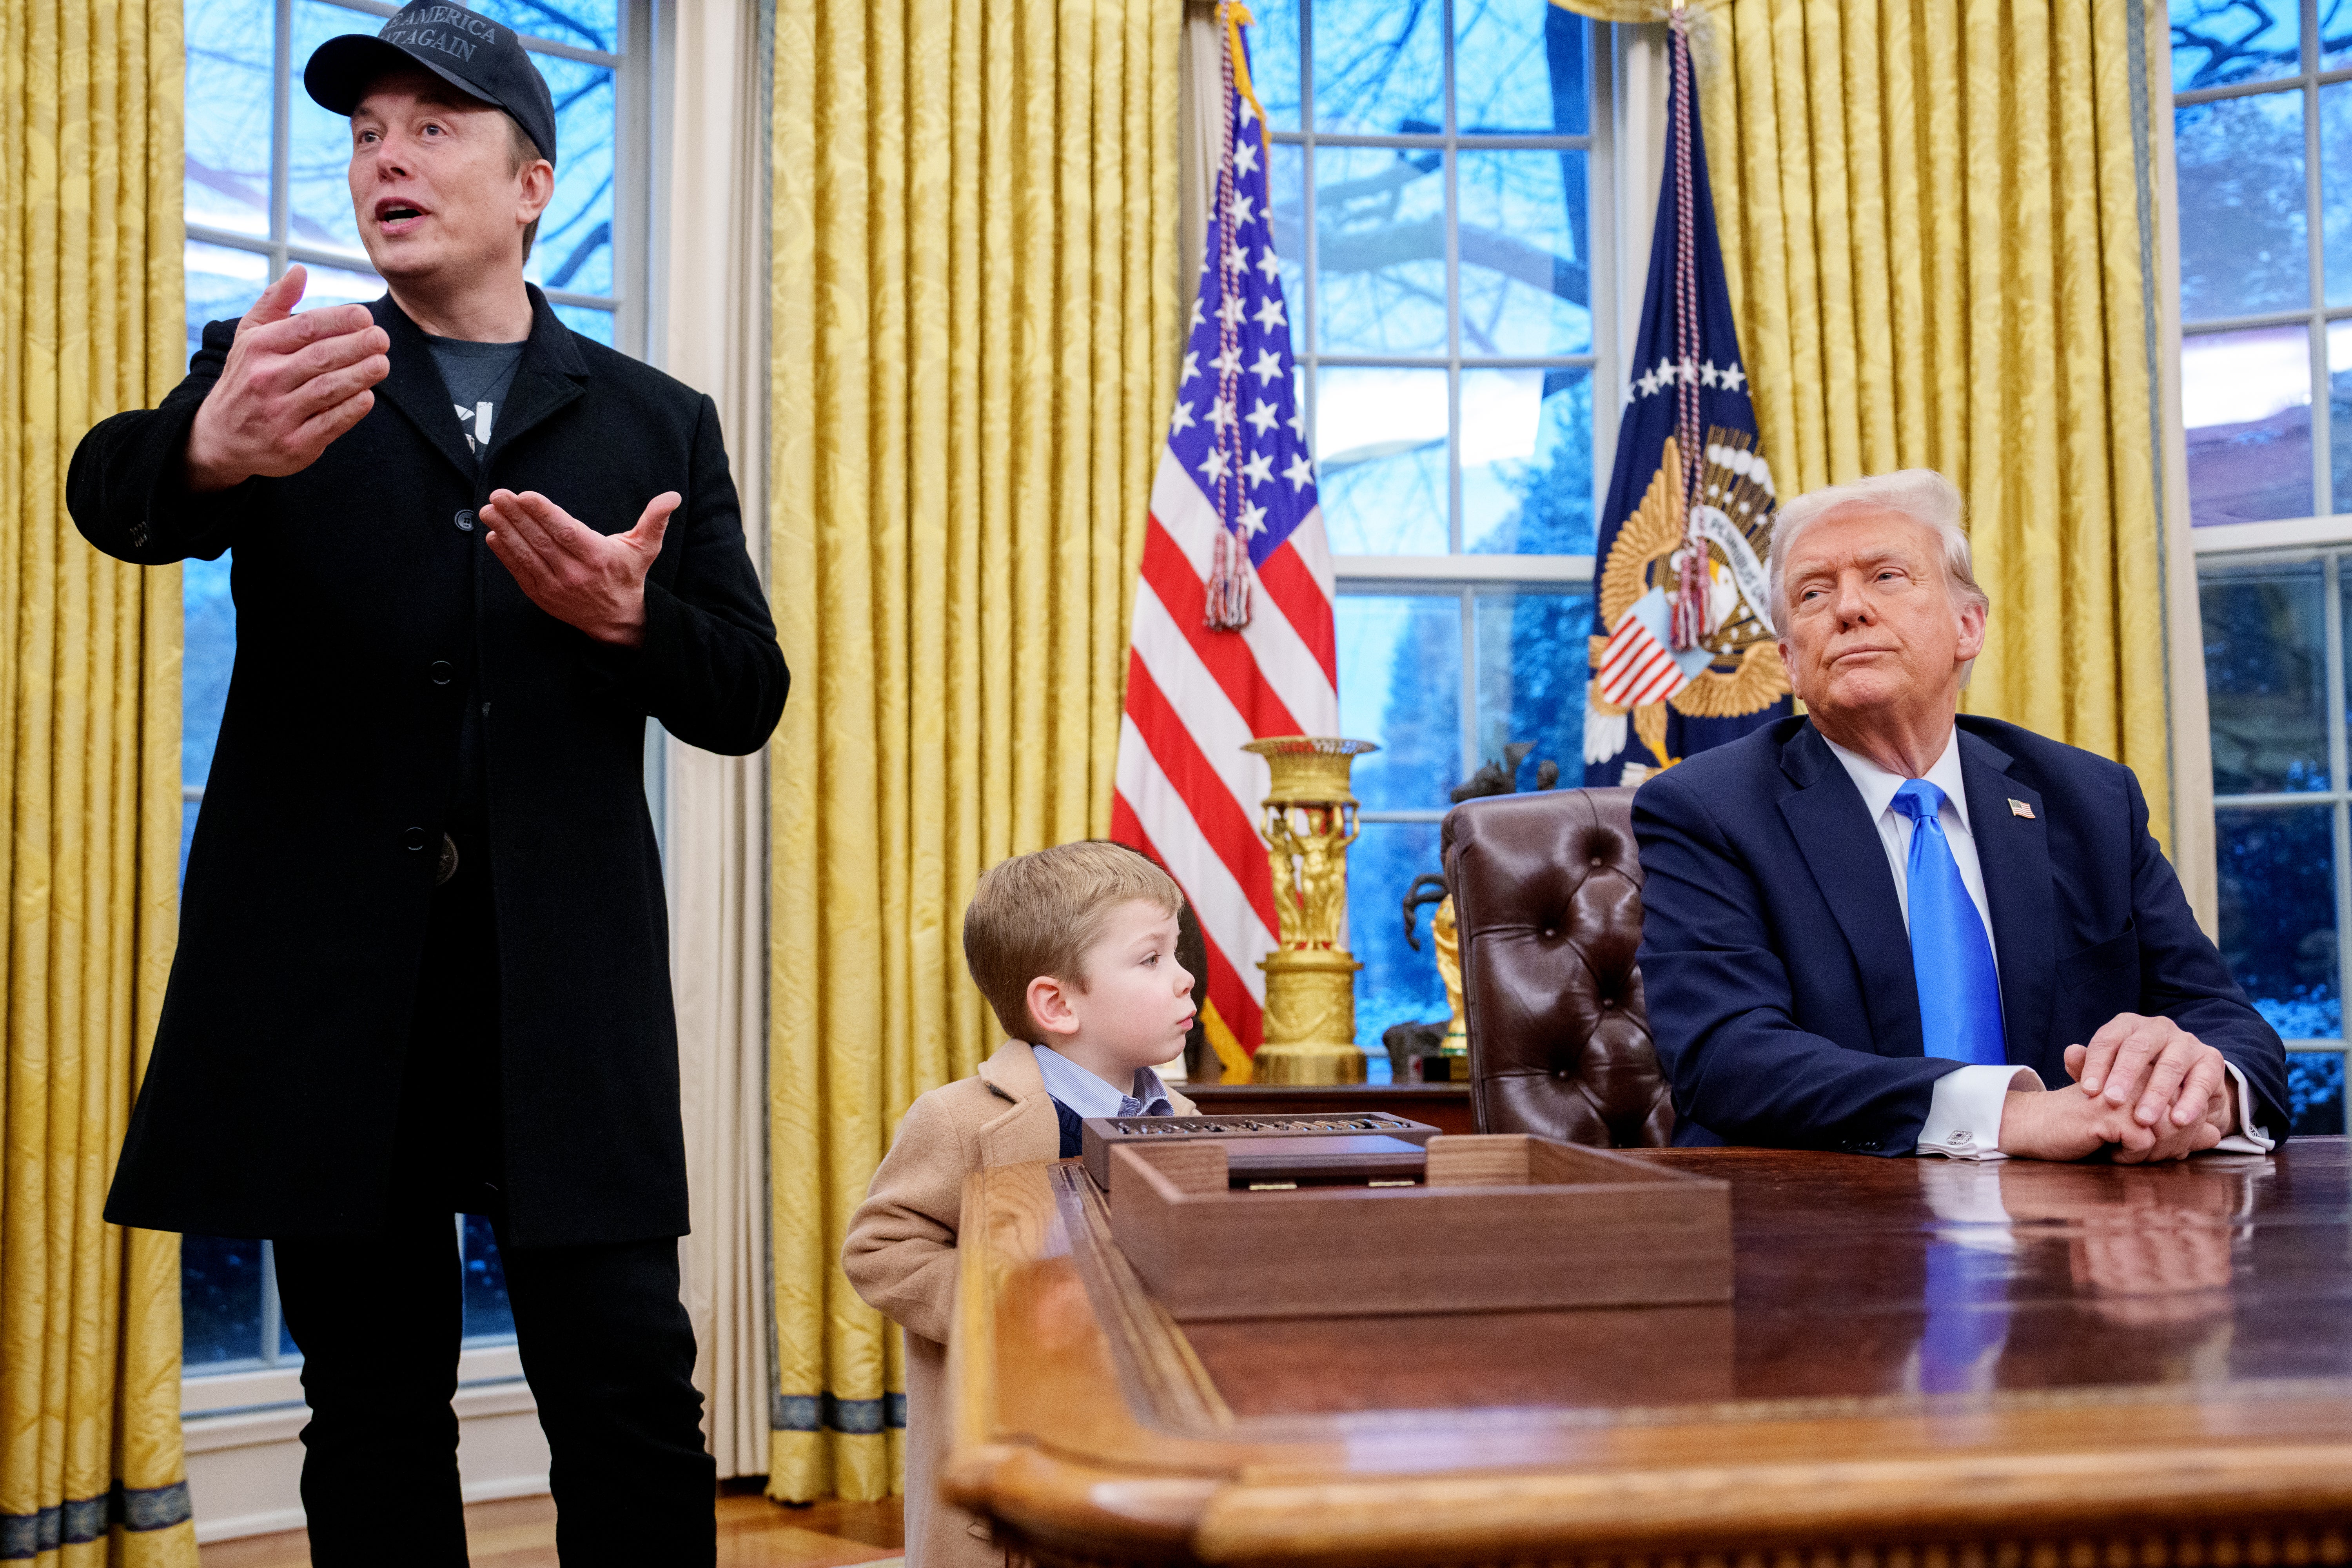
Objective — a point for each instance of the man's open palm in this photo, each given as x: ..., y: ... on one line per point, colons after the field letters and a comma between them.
x: 292, y: 385
x: 587, y: 579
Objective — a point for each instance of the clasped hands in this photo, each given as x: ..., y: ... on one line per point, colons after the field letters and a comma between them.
x: 293, y: 384
x: 2146, y: 1088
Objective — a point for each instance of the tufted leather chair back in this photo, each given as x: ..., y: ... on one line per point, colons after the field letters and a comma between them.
x: 1547, y: 900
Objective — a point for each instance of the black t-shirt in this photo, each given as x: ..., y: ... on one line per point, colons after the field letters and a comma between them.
x: 477, y: 376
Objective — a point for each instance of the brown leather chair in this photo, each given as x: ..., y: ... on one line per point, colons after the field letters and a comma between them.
x: 1547, y: 900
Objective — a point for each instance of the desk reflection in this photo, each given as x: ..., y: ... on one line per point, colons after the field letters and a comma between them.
x: 2022, y: 1252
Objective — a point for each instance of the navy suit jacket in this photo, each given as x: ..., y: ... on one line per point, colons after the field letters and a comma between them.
x: 1777, y: 968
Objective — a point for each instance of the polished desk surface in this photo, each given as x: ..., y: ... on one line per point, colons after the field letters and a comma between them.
x: 1926, y: 1362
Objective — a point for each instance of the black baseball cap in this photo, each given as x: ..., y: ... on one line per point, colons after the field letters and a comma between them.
x: 468, y: 50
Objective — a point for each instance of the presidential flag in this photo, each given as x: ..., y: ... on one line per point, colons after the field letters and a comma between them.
x: 1232, y: 637
x: 1684, y: 656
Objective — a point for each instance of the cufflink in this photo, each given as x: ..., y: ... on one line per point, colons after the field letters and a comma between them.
x: 1962, y: 1136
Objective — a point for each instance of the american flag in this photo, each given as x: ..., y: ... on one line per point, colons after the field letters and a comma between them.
x: 1235, y: 468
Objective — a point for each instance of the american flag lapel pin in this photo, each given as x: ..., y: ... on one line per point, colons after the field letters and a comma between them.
x: 2019, y: 808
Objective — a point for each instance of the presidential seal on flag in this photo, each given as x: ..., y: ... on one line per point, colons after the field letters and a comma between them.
x: 1732, y: 669
x: 1685, y: 656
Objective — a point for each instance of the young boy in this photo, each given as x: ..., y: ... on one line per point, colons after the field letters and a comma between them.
x: 1074, y: 949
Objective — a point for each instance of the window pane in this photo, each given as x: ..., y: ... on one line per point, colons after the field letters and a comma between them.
x: 1380, y: 443
x: 2314, y: 1092
x: 1527, y: 461
x: 584, y: 23
x: 488, y: 1314
x: 2217, y: 41
x: 1287, y: 190
x: 318, y: 157
x: 588, y: 321
x: 1380, y: 251
x: 1274, y: 62
x: 1377, y: 66
x: 2335, y: 33
x: 227, y: 124
x: 2335, y: 189
x: 2278, y: 916
x: 1519, y: 67
x: 211, y: 648
x: 1531, y: 673
x: 2246, y: 400
x: 1524, y: 246
x: 2340, y: 409
x: 335, y: 286
x: 1401, y: 685
x: 2266, y: 677
x: 1398, y: 986
x: 223, y: 282
x: 220, y: 1299
x: 2241, y: 207
x: 574, y: 248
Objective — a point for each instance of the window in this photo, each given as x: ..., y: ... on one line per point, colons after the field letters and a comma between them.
x: 2262, y: 147
x: 1434, y: 174
x: 265, y: 188
x: 2262, y: 139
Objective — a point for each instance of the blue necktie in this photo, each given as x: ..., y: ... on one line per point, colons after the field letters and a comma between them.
x: 1959, y: 993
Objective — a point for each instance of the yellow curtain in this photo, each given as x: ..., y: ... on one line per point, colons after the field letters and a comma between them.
x: 90, y: 1464
x: 1937, y: 219
x: 974, y: 341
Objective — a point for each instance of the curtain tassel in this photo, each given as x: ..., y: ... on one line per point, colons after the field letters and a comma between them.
x: 1228, y: 586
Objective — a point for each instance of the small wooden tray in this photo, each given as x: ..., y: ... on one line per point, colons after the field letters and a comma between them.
x: 1503, y: 1223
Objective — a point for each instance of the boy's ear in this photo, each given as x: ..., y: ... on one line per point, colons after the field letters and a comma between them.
x: 1049, y: 1004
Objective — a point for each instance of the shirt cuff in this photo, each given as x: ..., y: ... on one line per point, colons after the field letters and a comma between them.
x: 1964, y: 1116
x: 2250, y: 1138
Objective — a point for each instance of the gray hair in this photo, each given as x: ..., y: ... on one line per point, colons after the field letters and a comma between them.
x: 1923, y: 495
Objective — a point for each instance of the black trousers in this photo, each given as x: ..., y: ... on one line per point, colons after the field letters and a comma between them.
x: 607, y: 1344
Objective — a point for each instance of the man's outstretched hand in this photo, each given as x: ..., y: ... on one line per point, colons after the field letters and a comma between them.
x: 291, y: 386
x: 583, y: 578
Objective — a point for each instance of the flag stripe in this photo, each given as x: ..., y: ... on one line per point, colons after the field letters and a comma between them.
x: 1225, y: 912
x: 1291, y: 583
x: 1216, y: 727
x: 1230, y: 830
x: 1282, y: 653
x: 1184, y: 599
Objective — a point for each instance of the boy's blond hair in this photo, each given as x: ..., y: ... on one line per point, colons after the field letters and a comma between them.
x: 1037, y: 915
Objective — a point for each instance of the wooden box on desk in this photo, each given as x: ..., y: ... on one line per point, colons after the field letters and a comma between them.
x: 1501, y: 1222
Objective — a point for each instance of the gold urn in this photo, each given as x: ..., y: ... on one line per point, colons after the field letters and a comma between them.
x: 1310, y: 978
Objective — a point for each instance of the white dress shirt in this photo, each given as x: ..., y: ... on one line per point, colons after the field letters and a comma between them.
x: 1964, y: 1116
x: 1089, y: 1096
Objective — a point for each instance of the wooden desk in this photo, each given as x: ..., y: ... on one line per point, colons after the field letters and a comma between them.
x: 1928, y: 1365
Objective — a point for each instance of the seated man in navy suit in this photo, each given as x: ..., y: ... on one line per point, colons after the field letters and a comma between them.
x: 1887, y: 928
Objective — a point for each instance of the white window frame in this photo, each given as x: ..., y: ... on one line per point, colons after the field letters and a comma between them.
x: 2277, y: 542
x: 1458, y: 574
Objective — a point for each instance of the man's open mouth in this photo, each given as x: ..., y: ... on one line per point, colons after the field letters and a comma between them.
x: 394, y: 215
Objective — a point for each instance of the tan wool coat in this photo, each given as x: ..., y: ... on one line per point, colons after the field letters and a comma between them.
x: 901, y: 1259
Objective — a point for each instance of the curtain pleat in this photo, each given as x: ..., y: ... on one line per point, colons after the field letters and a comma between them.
x: 716, y: 843
x: 974, y: 335
x: 90, y: 322
x: 1931, y: 213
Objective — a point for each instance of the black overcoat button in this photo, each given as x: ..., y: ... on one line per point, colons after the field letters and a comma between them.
x: 415, y: 839
x: 465, y: 520
x: 443, y: 672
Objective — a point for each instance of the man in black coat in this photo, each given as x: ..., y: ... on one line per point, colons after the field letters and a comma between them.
x: 422, y: 962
